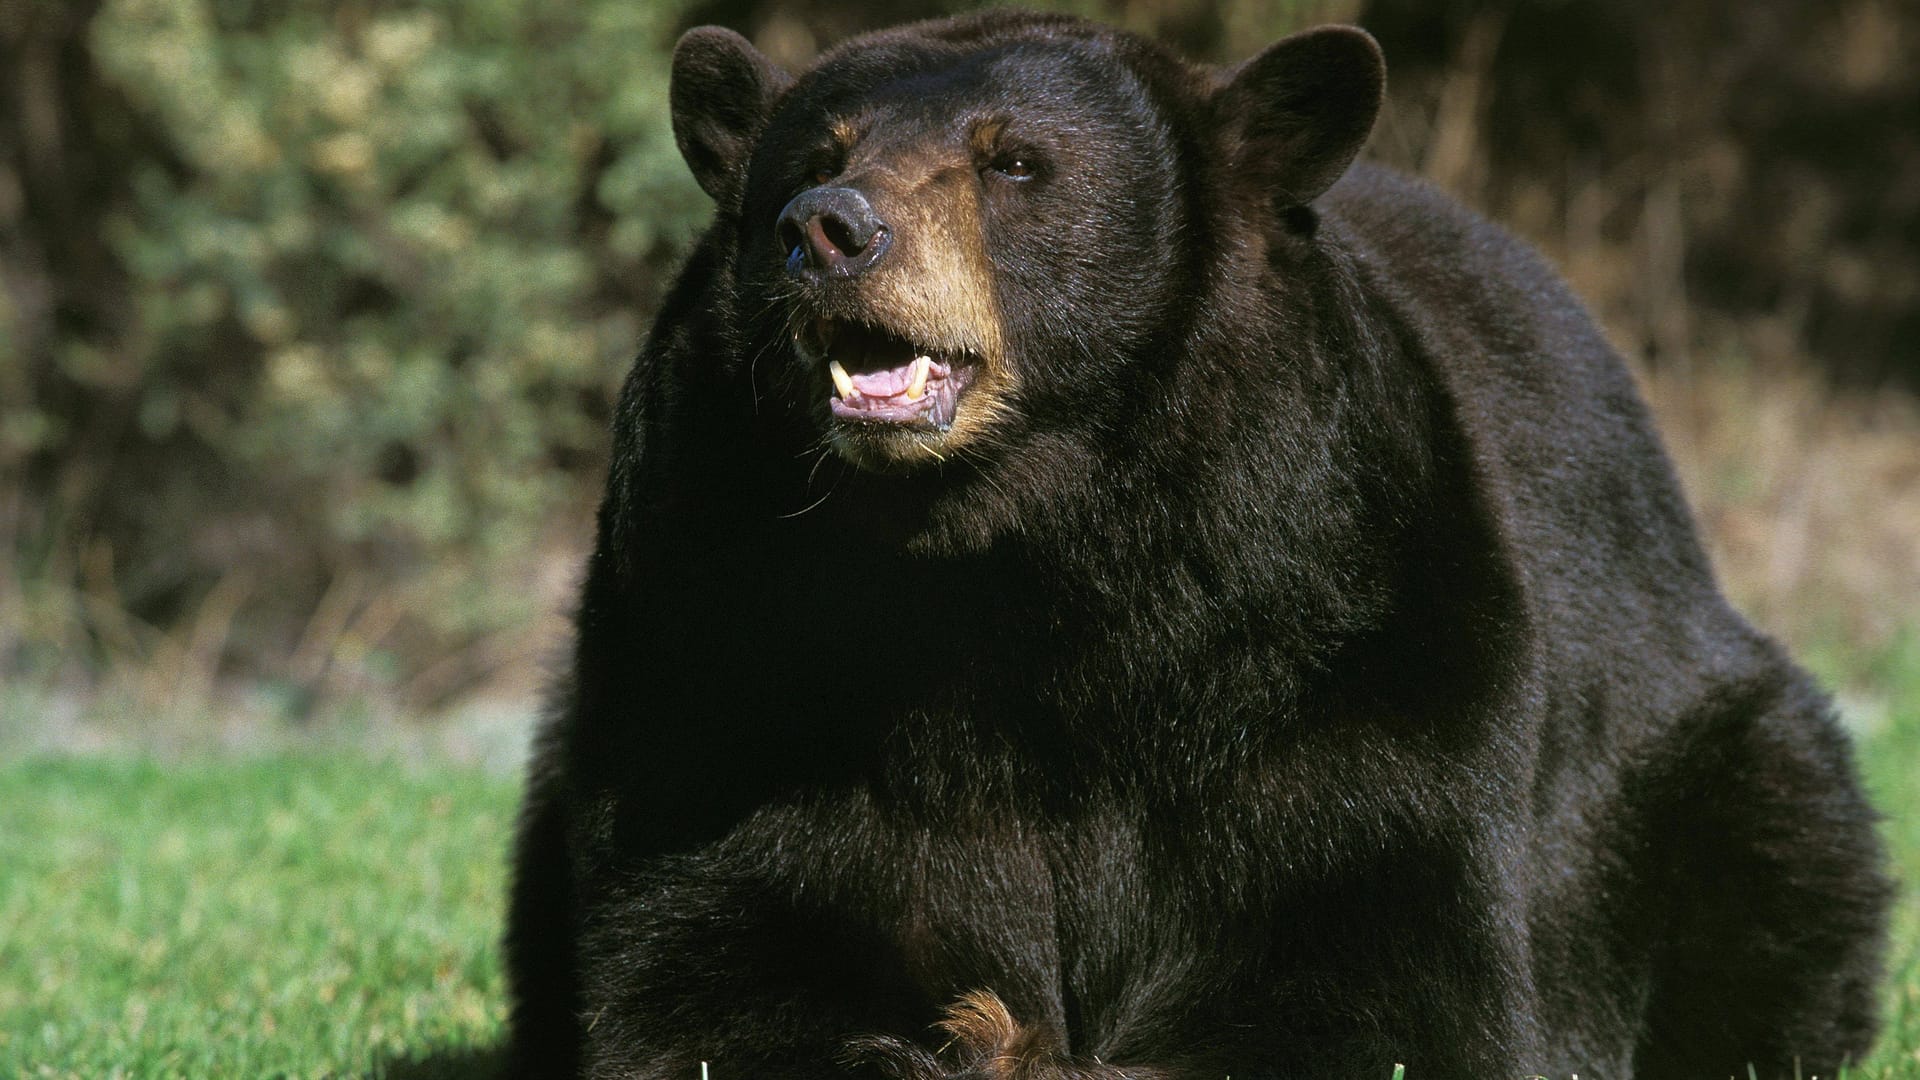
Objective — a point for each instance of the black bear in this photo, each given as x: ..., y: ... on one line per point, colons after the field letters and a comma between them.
x: 1092, y: 583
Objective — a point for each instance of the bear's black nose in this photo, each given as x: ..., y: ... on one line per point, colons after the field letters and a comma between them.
x: 831, y: 232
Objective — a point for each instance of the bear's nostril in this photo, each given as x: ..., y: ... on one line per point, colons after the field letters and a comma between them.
x: 791, y: 240
x: 839, y: 234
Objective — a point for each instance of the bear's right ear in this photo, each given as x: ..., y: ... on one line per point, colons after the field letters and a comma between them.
x: 1292, y: 118
x: 723, y: 90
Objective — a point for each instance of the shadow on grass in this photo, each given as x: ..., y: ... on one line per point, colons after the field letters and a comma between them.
x: 452, y: 1063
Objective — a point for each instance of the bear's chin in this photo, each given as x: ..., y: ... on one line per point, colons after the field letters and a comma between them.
x: 890, y: 449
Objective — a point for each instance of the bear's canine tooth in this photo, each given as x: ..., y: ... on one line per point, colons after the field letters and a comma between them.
x: 841, y: 380
x: 921, y: 366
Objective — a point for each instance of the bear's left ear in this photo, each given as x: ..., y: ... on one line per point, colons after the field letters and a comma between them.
x: 722, y: 92
x: 1293, y: 117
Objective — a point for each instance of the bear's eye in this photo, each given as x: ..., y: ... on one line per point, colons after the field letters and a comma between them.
x: 822, y: 175
x: 1015, y: 166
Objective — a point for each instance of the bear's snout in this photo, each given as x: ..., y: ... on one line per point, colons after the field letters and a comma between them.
x: 831, y: 232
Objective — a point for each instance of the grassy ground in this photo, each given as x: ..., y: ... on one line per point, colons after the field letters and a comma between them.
x: 1891, y: 758
x: 321, y: 914
x: 291, y: 916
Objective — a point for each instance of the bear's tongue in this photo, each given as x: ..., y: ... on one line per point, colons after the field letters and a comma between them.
x: 920, y: 392
x: 908, y: 380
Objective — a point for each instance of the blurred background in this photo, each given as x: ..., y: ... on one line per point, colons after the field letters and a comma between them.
x: 312, y: 313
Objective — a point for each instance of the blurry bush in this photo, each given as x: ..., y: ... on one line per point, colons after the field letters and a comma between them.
x: 312, y: 314
x: 311, y: 311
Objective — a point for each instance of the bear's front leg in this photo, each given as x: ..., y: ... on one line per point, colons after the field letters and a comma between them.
x: 982, y: 1041
x: 687, y: 962
x: 750, y: 994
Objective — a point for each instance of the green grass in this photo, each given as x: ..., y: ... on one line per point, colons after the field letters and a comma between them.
x: 293, y: 916
x: 1890, y: 757
x: 314, y: 914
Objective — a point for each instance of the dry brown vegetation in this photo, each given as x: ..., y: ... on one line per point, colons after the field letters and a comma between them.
x: 1809, y: 498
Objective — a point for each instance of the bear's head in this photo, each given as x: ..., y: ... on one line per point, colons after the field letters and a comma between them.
x: 952, y: 234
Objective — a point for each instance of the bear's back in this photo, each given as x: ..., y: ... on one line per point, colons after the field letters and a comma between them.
x: 1561, y: 448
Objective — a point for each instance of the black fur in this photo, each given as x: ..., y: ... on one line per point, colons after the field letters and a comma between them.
x: 1314, y: 669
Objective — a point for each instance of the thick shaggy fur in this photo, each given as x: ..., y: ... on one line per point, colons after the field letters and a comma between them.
x: 1303, y: 663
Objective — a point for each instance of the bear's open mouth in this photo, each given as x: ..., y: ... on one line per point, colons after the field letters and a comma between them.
x: 879, y: 377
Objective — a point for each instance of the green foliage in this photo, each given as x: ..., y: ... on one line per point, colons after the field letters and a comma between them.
x: 410, y: 215
x: 384, y: 264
